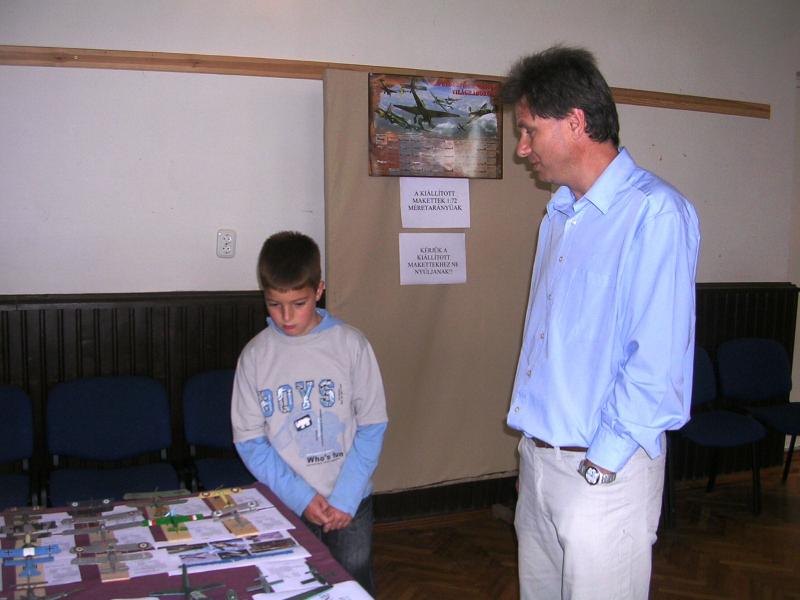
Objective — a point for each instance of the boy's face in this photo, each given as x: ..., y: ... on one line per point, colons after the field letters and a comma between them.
x: 294, y: 311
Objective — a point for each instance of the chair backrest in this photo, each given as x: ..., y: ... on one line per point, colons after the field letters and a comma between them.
x: 704, y: 385
x: 108, y: 418
x: 753, y: 369
x: 16, y: 424
x: 207, y: 409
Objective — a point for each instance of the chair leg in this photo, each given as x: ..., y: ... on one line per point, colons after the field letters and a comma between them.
x: 756, y: 480
x: 712, y: 470
x: 788, y: 464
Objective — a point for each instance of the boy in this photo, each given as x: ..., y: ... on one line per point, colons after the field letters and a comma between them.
x: 308, y: 407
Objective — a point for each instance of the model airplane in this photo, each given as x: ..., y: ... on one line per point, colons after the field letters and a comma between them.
x: 220, y: 491
x: 33, y: 592
x: 77, y: 507
x: 28, y: 557
x: 155, y: 502
x: 187, y: 591
x: 102, y: 518
x: 114, y: 560
x: 173, y: 522
x: 25, y: 524
x: 102, y: 528
x: 262, y: 585
x: 156, y: 494
x: 234, y: 510
x: 111, y: 547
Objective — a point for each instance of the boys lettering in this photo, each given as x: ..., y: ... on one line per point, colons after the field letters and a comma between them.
x: 284, y: 396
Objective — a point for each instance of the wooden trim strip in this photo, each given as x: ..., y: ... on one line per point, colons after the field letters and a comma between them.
x: 38, y: 56
x: 696, y: 103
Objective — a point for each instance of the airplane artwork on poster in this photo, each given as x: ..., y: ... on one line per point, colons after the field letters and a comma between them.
x: 434, y: 127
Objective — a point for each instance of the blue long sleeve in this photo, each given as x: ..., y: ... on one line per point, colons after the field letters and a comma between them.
x: 268, y: 467
x: 353, y: 482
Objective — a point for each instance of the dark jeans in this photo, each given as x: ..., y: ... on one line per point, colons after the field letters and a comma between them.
x: 352, y: 546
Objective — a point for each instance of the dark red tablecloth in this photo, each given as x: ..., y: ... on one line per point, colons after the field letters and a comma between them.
x: 238, y: 579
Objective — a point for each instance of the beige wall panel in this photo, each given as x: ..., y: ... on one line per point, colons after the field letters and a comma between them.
x: 447, y: 352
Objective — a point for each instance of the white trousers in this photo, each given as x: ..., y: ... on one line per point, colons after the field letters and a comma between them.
x: 583, y: 542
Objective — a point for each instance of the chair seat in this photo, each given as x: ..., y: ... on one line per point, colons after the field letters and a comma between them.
x: 783, y: 417
x: 723, y: 429
x: 213, y: 473
x: 67, y: 485
x: 14, y: 490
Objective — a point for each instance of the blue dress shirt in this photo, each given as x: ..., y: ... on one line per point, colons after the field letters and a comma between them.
x: 608, y: 345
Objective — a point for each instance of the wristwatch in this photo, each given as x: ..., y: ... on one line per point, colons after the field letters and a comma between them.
x: 593, y: 475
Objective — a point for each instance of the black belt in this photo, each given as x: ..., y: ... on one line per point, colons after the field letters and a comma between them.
x: 542, y: 444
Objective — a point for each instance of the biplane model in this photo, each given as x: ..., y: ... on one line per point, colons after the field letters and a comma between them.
x: 80, y: 507
x: 121, y: 516
x: 28, y: 556
x: 25, y: 524
x: 111, y: 558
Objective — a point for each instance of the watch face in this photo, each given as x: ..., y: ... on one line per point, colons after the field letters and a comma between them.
x: 592, y: 475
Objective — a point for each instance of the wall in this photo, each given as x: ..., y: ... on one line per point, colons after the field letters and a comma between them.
x: 101, y: 168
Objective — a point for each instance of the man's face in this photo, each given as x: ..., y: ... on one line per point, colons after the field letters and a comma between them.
x: 546, y: 143
x: 294, y: 311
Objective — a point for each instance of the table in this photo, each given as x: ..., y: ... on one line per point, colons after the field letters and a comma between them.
x: 235, y: 578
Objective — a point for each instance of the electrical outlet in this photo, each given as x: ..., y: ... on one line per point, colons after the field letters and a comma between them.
x: 226, y: 243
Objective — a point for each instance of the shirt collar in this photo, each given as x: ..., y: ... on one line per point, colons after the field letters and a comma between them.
x: 328, y: 321
x: 603, y: 192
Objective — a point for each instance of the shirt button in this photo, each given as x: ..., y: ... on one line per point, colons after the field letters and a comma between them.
x: 574, y: 221
x: 516, y: 409
x: 541, y: 335
x: 529, y: 372
x: 549, y: 296
x: 560, y: 259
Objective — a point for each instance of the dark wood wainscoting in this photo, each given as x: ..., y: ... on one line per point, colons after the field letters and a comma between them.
x: 171, y: 336
x: 168, y: 336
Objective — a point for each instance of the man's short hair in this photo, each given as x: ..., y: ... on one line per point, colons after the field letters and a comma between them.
x: 556, y: 81
x: 289, y: 260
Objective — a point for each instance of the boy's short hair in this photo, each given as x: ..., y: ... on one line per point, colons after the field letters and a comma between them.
x: 556, y: 81
x: 289, y: 260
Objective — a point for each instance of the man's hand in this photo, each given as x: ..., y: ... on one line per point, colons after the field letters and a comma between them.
x: 317, y: 511
x: 338, y: 519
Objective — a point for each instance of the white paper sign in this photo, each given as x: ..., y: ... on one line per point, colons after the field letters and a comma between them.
x: 434, y: 202
x: 431, y: 258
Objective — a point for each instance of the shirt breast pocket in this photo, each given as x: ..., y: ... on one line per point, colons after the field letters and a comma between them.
x: 590, y: 307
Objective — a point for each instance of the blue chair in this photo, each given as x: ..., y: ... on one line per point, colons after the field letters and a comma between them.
x: 113, y: 423
x: 16, y: 447
x: 756, y: 372
x: 719, y: 429
x: 207, y: 425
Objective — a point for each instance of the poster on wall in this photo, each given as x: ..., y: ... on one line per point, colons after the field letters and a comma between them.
x: 434, y: 127
x: 432, y: 258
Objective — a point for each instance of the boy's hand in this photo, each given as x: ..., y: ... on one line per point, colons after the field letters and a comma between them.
x: 338, y: 519
x: 317, y: 511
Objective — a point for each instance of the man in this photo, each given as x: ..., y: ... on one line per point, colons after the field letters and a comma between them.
x: 606, y: 360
